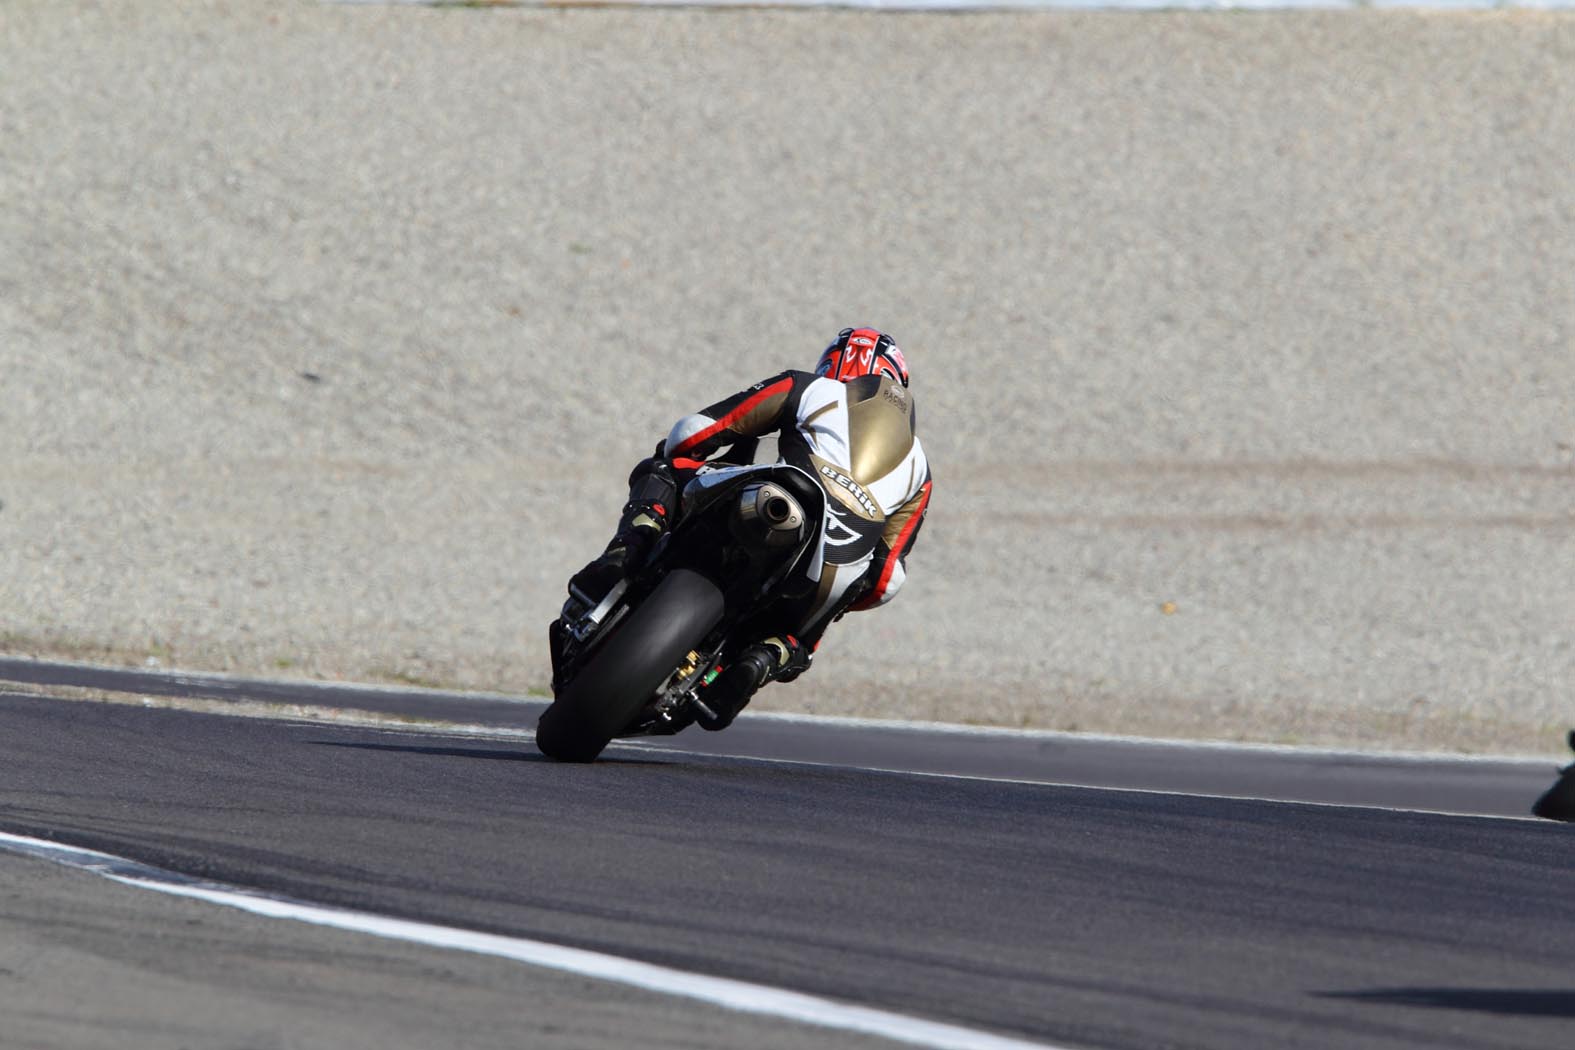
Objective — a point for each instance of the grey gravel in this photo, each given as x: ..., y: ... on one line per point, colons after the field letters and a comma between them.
x: 1243, y: 342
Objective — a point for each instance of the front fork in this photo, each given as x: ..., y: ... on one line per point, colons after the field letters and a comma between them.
x: 576, y: 627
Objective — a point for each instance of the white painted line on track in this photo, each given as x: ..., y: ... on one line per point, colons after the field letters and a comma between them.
x: 311, y: 685
x: 308, y: 686
x: 729, y: 994
x: 476, y: 729
x: 502, y: 735
x: 652, y: 749
x: 1173, y: 743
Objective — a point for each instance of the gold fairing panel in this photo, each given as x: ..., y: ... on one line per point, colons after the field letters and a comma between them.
x: 880, y: 426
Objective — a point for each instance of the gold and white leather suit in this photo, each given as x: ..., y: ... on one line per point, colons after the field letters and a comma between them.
x: 858, y: 440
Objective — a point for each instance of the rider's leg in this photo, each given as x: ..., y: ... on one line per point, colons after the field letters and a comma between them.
x: 653, y: 498
x: 779, y: 658
x: 783, y: 656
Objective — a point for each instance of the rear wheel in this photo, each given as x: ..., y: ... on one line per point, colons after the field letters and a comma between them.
x: 605, y: 695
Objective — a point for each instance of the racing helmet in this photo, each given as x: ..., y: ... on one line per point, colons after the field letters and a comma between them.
x: 862, y: 352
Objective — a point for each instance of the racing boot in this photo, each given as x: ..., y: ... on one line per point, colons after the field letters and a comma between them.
x: 781, y: 658
x: 638, y: 531
x: 652, y: 489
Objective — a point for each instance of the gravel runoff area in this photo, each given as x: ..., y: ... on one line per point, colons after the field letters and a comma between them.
x: 1243, y: 342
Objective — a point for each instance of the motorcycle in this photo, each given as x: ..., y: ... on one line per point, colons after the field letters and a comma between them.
x: 637, y: 661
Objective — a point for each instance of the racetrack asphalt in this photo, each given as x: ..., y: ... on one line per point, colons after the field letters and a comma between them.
x: 1468, y: 785
x: 1078, y: 916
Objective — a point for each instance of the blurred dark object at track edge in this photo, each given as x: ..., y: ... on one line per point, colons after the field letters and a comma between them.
x: 1558, y: 802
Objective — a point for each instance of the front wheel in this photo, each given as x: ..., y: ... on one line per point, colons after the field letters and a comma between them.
x: 605, y: 694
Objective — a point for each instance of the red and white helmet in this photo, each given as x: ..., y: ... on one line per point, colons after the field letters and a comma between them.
x: 862, y: 352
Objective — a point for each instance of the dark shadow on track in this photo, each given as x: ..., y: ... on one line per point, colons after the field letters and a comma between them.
x: 1508, y: 1001
x: 447, y: 752
x: 477, y: 752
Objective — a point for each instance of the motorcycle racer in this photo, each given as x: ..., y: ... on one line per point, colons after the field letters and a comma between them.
x: 850, y: 424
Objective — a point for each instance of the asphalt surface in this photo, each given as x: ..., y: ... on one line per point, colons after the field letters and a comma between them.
x: 1078, y: 916
x: 87, y: 964
x: 1482, y: 786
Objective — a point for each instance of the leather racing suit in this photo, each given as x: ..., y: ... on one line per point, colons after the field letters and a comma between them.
x: 858, y: 440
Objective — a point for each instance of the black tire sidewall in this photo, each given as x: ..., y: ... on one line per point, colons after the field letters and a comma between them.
x: 608, y: 691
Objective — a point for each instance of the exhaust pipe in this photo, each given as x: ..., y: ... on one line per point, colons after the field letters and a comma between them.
x: 768, y: 514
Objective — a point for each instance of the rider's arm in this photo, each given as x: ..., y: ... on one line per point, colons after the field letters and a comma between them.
x: 763, y: 408
x: 887, y: 573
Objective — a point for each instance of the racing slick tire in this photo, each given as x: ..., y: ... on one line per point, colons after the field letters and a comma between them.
x: 607, y: 692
